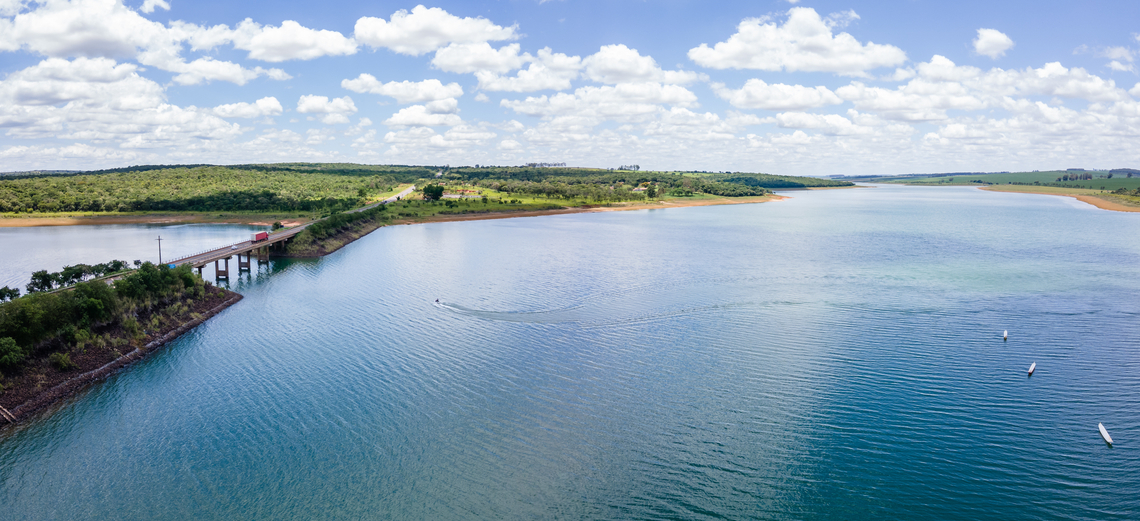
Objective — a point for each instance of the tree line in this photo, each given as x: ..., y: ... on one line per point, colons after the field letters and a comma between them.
x: 27, y: 322
x: 46, y: 281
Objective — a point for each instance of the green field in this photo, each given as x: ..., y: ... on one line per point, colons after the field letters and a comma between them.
x: 1099, y: 181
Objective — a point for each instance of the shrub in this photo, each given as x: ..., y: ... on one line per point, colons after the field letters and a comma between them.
x: 62, y: 361
x: 11, y: 356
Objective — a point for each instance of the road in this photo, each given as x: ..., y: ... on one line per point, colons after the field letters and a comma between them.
x: 206, y: 257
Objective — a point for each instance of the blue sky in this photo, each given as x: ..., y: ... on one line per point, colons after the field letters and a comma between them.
x: 806, y: 88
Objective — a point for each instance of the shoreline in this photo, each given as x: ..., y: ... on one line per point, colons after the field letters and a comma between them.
x: 73, y: 385
x: 29, y: 222
x: 1099, y: 202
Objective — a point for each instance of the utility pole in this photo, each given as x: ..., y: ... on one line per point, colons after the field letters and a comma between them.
x: 160, y: 249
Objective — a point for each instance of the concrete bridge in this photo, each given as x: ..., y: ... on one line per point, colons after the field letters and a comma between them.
x: 260, y: 248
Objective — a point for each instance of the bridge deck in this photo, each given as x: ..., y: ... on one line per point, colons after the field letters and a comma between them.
x: 199, y: 260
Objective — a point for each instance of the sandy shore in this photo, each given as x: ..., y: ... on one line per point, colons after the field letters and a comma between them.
x: 1099, y: 202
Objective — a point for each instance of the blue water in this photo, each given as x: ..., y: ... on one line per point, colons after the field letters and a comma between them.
x: 26, y: 250
x: 836, y: 355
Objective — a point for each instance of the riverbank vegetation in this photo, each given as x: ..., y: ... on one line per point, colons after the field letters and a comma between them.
x: 47, y: 337
x: 314, y: 189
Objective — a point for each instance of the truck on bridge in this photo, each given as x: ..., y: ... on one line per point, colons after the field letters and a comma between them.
x: 259, y: 236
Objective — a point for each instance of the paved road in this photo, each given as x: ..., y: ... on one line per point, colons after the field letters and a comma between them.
x: 201, y: 259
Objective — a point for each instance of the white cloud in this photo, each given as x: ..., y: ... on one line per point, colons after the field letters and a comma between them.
x: 436, y: 113
x: 620, y: 64
x: 335, y: 111
x: 267, y: 106
x: 427, y: 29
x: 101, y: 101
x: 11, y: 7
x: 290, y: 41
x: 549, y: 70
x: 404, y: 91
x: 756, y: 94
x: 804, y: 43
x: 941, y: 85
x: 149, y: 5
x: 87, y: 28
x: 829, y: 124
x: 992, y: 43
x: 473, y: 57
x: 589, y: 106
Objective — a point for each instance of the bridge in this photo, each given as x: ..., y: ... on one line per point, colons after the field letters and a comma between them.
x: 261, y: 248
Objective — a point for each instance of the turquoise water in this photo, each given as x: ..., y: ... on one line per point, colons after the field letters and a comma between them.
x: 835, y: 355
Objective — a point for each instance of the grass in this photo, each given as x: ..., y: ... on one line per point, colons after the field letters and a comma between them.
x: 1046, y: 179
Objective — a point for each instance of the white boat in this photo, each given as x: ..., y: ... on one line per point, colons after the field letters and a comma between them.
x: 1104, y: 433
x: 1005, y: 335
x: 1032, y: 368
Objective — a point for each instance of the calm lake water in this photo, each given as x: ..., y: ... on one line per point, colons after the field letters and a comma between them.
x: 25, y: 250
x: 837, y: 355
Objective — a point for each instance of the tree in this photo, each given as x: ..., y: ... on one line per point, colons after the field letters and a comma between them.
x: 7, y: 293
x: 433, y: 192
x: 42, y: 281
x: 11, y: 356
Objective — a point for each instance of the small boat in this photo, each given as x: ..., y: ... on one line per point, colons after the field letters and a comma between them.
x: 1104, y: 433
x: 1032, y: 368
x: 1005, y: 335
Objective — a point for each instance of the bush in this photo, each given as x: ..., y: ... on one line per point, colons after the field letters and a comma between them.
x: 11, y: 356
x: 62, y: 361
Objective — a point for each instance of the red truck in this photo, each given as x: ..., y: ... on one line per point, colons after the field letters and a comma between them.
x: 259, y: 236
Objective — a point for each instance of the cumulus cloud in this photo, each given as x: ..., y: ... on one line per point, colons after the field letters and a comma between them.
x: 99, y: 100
x: 589, y: 106
x: 404, y: 91
x: 426, y: 29
x: 335, y: 111
x: 547, y: 71
x: 804, y: 42
x: 992, y: 43
x: 756, y: 94
x: 425, y: 116
x: 290, y: 41
x: 149, y: 5
x: 267, y: 106
x: 473, y: 57
x: 941, y: 85
x: 620, y: 64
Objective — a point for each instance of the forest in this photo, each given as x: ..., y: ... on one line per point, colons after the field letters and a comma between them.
x: 328, y: 188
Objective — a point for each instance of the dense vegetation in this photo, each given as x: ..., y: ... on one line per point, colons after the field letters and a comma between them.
x: 208, y: 188
x: 73, y: 315
x: 330, y: 188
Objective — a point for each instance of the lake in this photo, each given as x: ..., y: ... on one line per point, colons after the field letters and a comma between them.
x: 834, y: 355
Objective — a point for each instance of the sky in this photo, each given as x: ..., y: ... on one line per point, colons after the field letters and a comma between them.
x: 795, y: 87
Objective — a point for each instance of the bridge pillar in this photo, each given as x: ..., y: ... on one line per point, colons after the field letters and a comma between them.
x: 221, y: 273
x: 199, y: 271
x: 243, y: 265
x: 263, y: 255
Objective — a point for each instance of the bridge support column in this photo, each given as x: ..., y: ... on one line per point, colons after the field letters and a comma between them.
x: 199, y: 271
x: 220, y: 273
x: 263, y: 255
x: 243, y: 265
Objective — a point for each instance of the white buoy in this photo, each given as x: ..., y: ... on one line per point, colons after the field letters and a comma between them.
x: 1104, y: 433
x: 1032, y: 368
x: 1005, y: 335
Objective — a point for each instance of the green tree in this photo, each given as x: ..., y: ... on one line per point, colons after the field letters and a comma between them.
x: 42, y: 281
x: 433, y: 192
x: 11, y: 356
x: 7, y: 293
